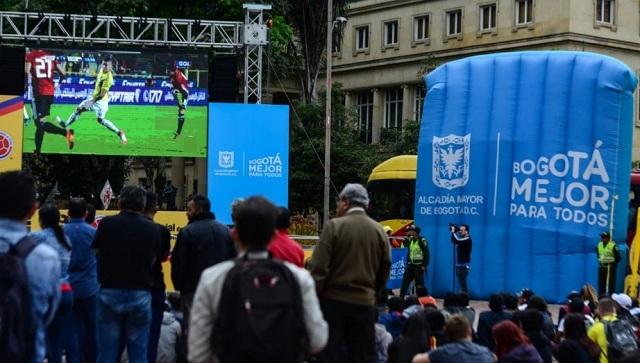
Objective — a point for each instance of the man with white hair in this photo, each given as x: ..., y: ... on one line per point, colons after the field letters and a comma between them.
x: 350, y: 266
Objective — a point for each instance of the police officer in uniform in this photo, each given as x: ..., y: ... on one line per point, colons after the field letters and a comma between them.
x: 608, y: 258
x: 417, y: 259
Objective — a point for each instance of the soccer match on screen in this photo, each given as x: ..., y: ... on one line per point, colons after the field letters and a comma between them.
x: 100, y: 102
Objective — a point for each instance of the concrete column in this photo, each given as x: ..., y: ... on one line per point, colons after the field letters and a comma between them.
x: 177, y: 179
x: 407, y: 102
x: 348, y: 100
x: 378, y: 114
x: 201, y: 174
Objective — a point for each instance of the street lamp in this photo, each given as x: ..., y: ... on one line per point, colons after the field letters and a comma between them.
x: 327, y: 131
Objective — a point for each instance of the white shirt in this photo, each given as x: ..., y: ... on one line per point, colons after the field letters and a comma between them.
x: 204, y: 312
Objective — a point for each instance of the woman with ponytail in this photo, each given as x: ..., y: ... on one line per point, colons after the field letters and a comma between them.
x: 53, y: 235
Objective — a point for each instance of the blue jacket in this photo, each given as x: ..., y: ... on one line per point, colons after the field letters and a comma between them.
x: 83, y: 274
x: 393, y: 322
x: 48, y: 236
x: 43, y: 272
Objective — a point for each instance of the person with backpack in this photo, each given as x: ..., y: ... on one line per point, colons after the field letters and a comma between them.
x: 351, y: 265
x: 614, y: 336
x: 53, y: 236
x: 30, y: 287
x: 255, y: 308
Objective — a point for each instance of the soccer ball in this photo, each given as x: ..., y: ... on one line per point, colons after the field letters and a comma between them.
x: 6, y: 145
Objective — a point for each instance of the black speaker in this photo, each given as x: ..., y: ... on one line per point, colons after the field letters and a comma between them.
x: 223, y: 80
x: 12, y: 70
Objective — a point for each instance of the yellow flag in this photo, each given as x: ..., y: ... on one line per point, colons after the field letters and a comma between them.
x: 11, y: 132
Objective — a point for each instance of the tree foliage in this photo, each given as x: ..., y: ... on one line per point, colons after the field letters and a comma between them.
x: 78, y: 175
x: 351, y: 159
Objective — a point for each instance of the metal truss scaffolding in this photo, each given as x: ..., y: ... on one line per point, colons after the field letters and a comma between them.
x: 255, y: 37
x: 224, y: 36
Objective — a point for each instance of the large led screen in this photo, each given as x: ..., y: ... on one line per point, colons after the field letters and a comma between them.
x: 115, y: 102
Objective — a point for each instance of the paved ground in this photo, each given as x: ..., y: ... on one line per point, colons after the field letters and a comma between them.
x: 481, y: 306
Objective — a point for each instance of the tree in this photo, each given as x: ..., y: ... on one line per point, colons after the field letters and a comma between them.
x: 77, y: 175
x: 308, y: 18
x: 351, y: 159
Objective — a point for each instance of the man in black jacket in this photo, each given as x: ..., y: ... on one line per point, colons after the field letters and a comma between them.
x: 462, y: 241
x: 127, y: 246
x: 202, y: 243
x: 417, y: 259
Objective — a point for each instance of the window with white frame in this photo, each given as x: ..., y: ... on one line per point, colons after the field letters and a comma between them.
x: 605, y: 11
x: 364, y: 107
x: 362, y: 37
x: 421, y: 28
x: 420, y: 93
x: 390, y: 33
x: 454, y: 22
x: 488, y: 17
x: 393, y: 108
x: 524, y: 12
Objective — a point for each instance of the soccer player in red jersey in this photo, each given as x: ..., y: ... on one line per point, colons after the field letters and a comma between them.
x: 40, y: 66
x: 180, y: 93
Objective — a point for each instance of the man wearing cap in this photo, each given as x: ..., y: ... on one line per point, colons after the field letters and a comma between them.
x: 608, y: 258
x: 350, y: 266
x: 417, y: 259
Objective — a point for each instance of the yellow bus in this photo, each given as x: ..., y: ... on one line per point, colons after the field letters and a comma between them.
x: 392, y: 187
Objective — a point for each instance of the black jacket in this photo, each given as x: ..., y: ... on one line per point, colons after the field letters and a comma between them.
x: 463, y: 248
x: 201, y: 244
x: 127, y: 247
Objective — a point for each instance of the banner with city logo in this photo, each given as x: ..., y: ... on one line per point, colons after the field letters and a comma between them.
x: 248, y: 155
x: 536, y: 163
x: 11, y: 114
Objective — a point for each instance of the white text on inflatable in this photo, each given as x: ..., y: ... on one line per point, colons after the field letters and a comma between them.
x: 568, y: 187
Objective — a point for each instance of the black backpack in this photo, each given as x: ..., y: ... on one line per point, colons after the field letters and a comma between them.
x: 260, y: 315
x: 621, y: 340
x: 17, y: 328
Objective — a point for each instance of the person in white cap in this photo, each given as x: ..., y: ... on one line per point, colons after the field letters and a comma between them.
x: 624, y: 304
x: 608, y: 258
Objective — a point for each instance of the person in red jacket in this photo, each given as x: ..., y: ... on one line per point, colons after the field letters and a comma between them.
x: 281, y: 246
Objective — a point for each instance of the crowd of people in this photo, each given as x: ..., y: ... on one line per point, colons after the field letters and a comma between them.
x: 81, y: 293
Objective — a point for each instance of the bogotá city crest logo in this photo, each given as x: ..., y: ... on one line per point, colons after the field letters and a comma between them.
x: 6, y: 145
x: 451, y: 161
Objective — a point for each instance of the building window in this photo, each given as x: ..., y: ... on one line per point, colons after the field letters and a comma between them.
x: 393, y: 108
x: 390, y: 33
x: 487, y: 18
x: 420, y: 93
x: 454, y: 22
x: 362, y: 37
x: 364, y: 108
x: 524, y: 12
x: 420, y: 28
x: 605, y: 10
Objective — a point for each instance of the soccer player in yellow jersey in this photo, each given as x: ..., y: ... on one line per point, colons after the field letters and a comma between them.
x: 99, y: 101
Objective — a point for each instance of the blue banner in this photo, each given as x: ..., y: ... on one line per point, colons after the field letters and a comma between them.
x: 248, y: 154
x: 398, y: 263
x: 73, y: 90
x: 536, y: 163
